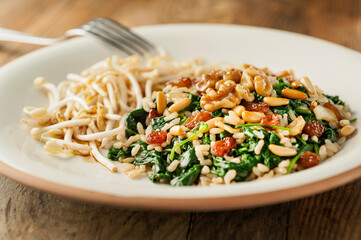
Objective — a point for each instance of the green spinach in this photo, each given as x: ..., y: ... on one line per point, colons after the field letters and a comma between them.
x: 115, y: 153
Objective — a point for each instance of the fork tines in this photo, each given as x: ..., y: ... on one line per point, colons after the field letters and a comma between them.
x: 119, y: 36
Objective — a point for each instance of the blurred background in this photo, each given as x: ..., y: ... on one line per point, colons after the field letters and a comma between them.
x: 26, y: 213
x: 334, y: 20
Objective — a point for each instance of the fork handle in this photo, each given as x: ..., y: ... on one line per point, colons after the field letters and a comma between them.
x: 15, y: 36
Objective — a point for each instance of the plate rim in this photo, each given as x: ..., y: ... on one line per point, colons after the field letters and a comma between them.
x: 284, y: 194
x: 181, y: 204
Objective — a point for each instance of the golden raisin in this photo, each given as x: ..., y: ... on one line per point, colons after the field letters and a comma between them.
x: 157, y: 137
x: 256, y: 106
x: 272, y: 119
x: 153, y: 114
x: 309, y: 159
x: 183, y: 82
x: 224, y: 146
x: 197, y: 118
x: 313, y: 128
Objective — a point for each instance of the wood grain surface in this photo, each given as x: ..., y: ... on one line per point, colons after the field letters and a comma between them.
x: 26, y: 213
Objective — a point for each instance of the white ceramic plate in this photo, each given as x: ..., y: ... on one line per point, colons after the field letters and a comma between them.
x: 334, y: 68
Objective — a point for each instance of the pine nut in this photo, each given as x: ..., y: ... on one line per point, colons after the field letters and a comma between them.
x: 161, y: 102
x: 238, y: 110
x: 227, y: 128
x: 180, y: 105
x: 276, y: 101
x: 212, y: 123
x: 293, y: 94
x: 347, y: 130
x: 282, y: 151
x: 176, y: 130
x: 252, y: 117
x: 306, y: 82
x: 295, y: 84
x: 297, y: 126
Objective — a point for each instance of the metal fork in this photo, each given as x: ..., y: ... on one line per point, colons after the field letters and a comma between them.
x: 101, y: 28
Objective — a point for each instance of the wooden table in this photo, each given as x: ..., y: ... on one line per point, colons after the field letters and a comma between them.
x: 26, y: 213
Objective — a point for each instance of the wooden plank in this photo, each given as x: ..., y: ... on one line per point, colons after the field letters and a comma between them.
x: 331, y: 215
x: 255, y: 223
x: 30, y: 214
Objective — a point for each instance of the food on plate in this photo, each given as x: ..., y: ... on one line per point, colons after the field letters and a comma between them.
x: 189, y: 123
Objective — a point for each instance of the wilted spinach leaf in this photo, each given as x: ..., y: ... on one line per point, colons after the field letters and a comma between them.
x: 195, y: 103
x: 115, y: 153
x: 158, y: 123
x: 217, y: 113
x: 131, y: 121
x: 335, y: 99
x: 244, y: 168
x: 188, y: 158
x: 187, y: 178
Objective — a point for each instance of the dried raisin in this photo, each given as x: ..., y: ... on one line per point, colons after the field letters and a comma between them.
x: 256, y: 106
x: 157, y: 137
x: 153, y: 114
x: 183, y: 82
x: 272, y: 119
x: 197, y: 118
x: 224, y: 146
x: 313, y: 128
x: 309, y: 159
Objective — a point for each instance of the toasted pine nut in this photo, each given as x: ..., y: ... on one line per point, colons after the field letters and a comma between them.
x: 295, y: 84
x: 212, y: 123
x: 282, y: 151
x: 161, y: 102
x: 348, y: 130
x: 306, y: 82
x: 180, y: 105
x: 176, y: 131
x: 275, y: 101
x: 238, y: 110
x: 293, y: 94
x: 297, y: 126
x: 252, y: 117
x: 227, y: 128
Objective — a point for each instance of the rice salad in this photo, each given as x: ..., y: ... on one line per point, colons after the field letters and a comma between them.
x: 189, y: 123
